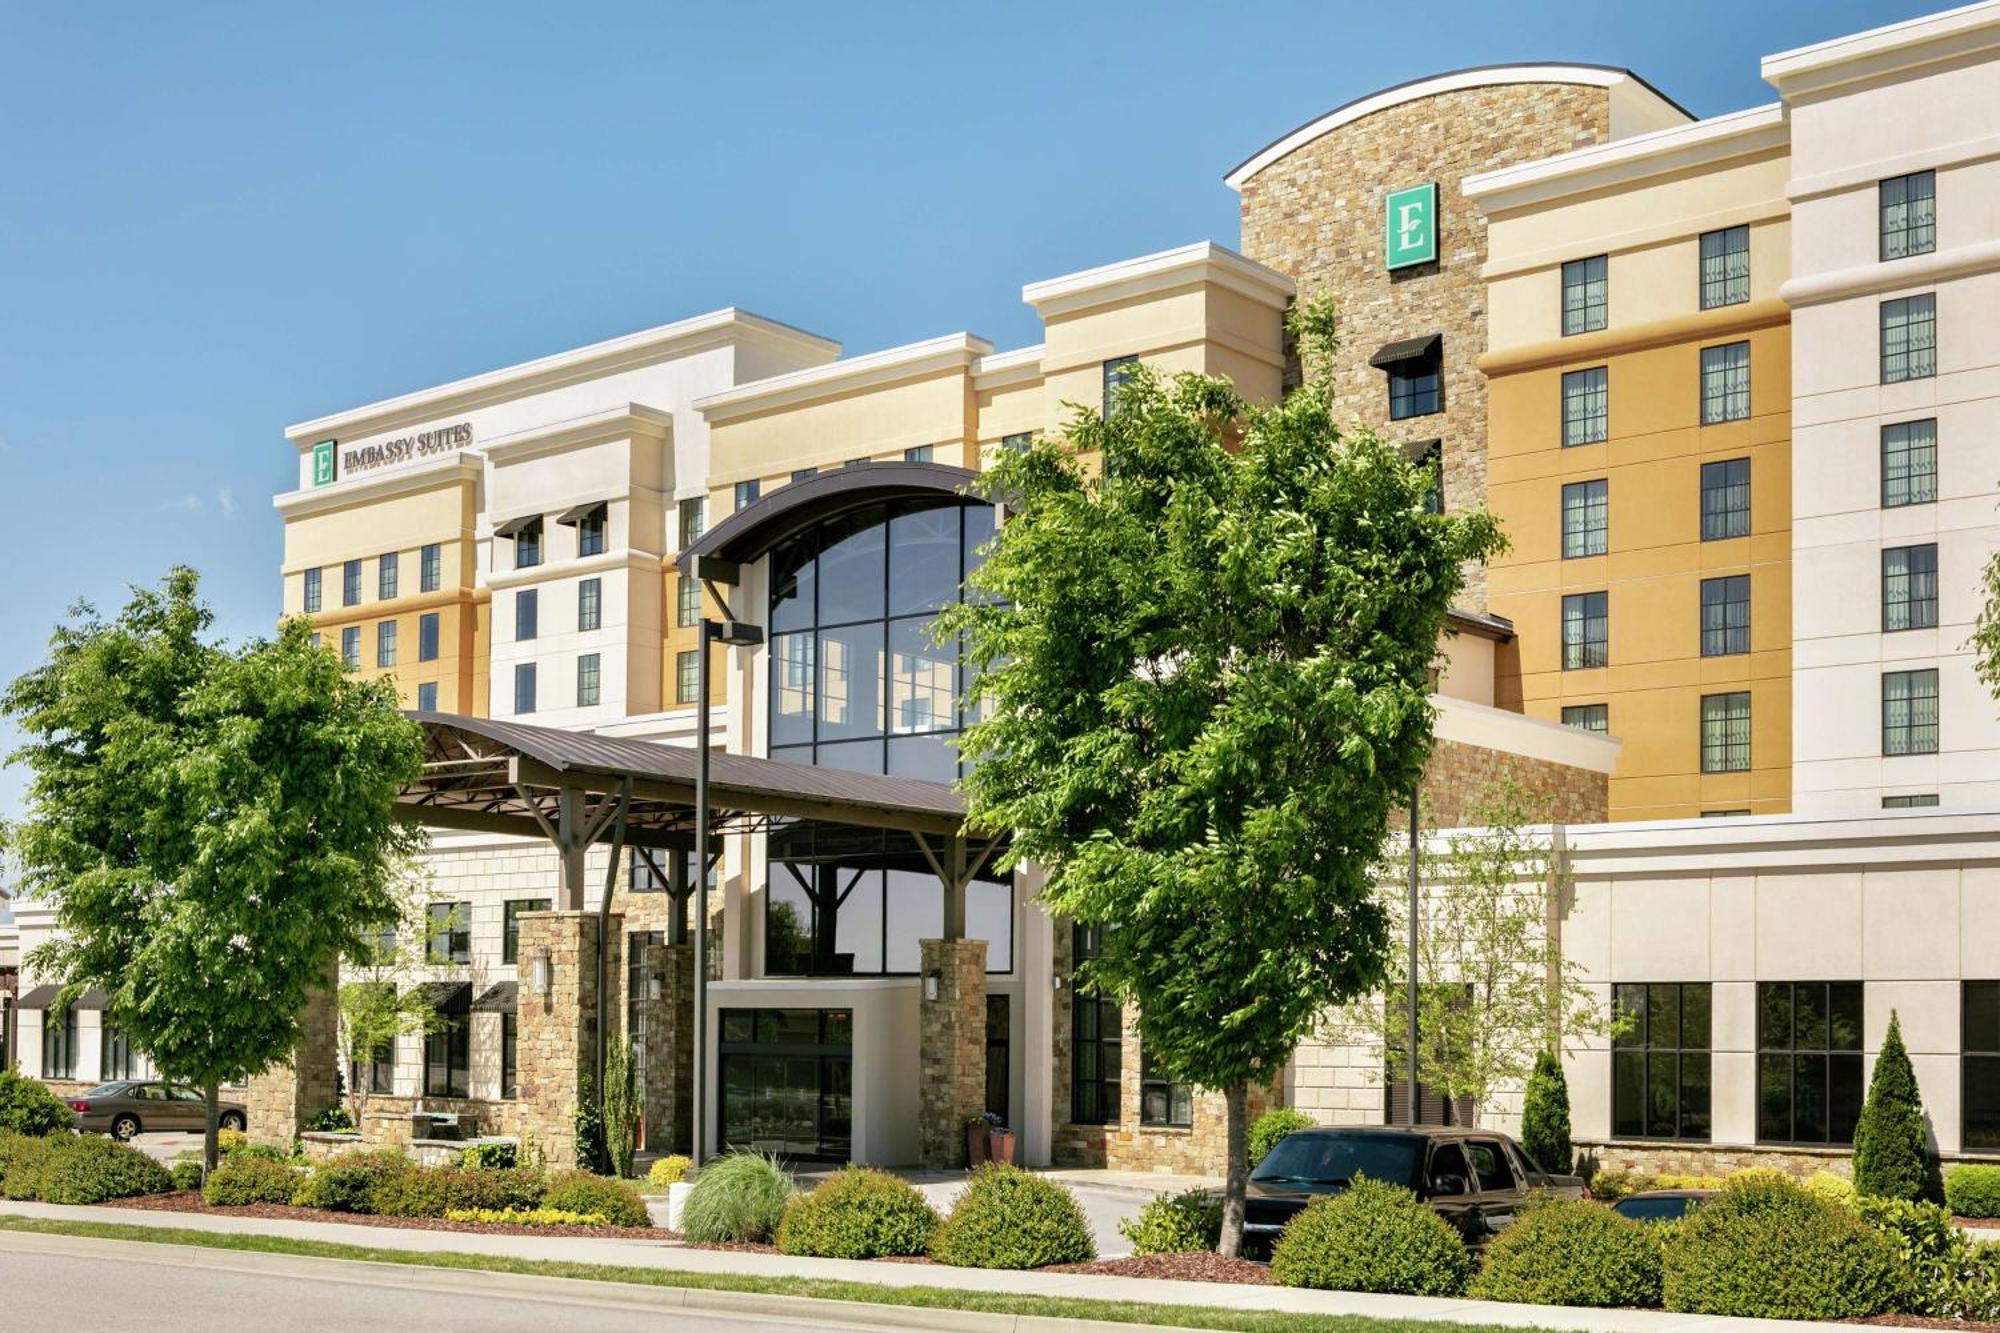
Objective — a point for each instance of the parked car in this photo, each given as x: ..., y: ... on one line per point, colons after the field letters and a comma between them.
x: 1661, y: 1205
x: 130, y: 1107
x: 1476, y: 1179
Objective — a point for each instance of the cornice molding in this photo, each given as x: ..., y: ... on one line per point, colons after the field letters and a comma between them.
x: 1962, y: 261
x: 455, y: 469
x: 1203, y: 263
x: 1625, y: 162
x: 1698, y: 326
x: 1884, y: 54
x: 955, y: 352
x: 618, y: 423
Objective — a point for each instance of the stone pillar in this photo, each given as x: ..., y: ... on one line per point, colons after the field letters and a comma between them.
x: 287, y: 1097
x: 669, y: 1091
x: 952, y: 1040
x: 557, y: 1042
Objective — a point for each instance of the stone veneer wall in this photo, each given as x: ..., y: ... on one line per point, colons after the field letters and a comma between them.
x: 952, y: 1049
x: 1317, y: 215
x: 285, y: 1098
x: 669, y: 1092
x: 1459, y: 776
x: 558, y: 1031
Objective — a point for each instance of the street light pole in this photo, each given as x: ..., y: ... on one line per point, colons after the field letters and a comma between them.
x: 1410, y: 997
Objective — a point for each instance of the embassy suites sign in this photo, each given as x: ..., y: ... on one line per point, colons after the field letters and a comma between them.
x: 331, y: 460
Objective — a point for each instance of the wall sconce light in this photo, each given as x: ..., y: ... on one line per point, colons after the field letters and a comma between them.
x: 930, y: 985
x: 538, y: 972
x: 653, y: 989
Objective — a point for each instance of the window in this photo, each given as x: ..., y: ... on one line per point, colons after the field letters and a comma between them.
x: 1909, y: 338
x: 1909, y: 588
x: 1725, y: 814
x: 1586, y: 299
x: 857, y: 462
x: 917, y: 453
x: 1918, y: 802
x: 1162, y: 1100
x: 1979, y: 1098
x: 1909, y: 214
x: 1116, y: 371
x: 1586, y: 630
x: 114, y: 1054
x: 385, y: 644
x: 687, y: 677
x: 430, y: 568
x: 1725, y: 267
x: 427, y: 637
x: 1725, y: 383
x: 1725, y: 732
x: 1097, y: 1032
x: 687, y: 602
x: 786, y: 1081
x: 1909, y: 464
x: 312, y: 598
x: 1415, y: 385
x: 590, y: 533
x: 524, y: 687
x: 1586, y: 406
x: 1808, y: 1061
x: 350, y: 583
x: 1725, y: 500
x: 510, y: 1055
x: 1017, y: 442
x: 804, y: 473
x: 448, y: 1050
x: 1586, y: 523
x: 747, y: 493
x: 427, y: 697
x: 1725, y: 616
x: 586, y: 680
x: 999, y: 1055
x: 59, y: 1043
x: 510, y: 925
x: 1910, y: 712
x: 388, y: 570
x: 528, y: 544
x: 1588, y: 717
x: 449, y: 939
x: 693, y: 520
x: 1660, y: 1061
x: 1489, y: 1165
x: 527, y: 614
x: 350, y: 647
x: 590, y: 604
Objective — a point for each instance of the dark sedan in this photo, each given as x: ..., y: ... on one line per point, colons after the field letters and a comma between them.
x: 130, y: 1107
x: 1661, y: 1205
x: 1475, y: 1179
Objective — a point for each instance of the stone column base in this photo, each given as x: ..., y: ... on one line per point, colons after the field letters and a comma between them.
x: 669, y: 1091
x: 952, y: 1047
x: 287, y: 1097
x: 557, y: 1042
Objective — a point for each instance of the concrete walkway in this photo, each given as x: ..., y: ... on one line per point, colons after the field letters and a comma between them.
x: 661, y: 1253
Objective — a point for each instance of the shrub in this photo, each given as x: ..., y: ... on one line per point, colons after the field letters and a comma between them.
x: 1952, y: 1276
x: 334, y: 1119
x: 1175, y: 1224
x: 581, y: 1192
x: 1373, y: 1237
x: 1545, y: 1117
x: 1008, y: 1218
x: 28, y: 1107
x: 229, y: 1140
x: 669, y: 1170
x: 857, y: 1214
x: 417, y: 1192
x: 435, y: 1191
x: 1764, y: 1248
x: 1827, y: 1186
x: 1572, y: 1252
x: 245, y: 1179
x: 186, y: 1174
x: 347, y: 1183
x: 740, y: 1196
x: 22, y: 1157
x: 1973, y: 1191
x: 478, y: 1156
x: 1891, y: 1160
x: 1273, y: 1125
x: 92, y: 1169
x: 528, y: 1217
x: 1612, y: 1186
x: 588, y: 1126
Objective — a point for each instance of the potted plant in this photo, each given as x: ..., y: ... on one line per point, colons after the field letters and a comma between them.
x: 984, y: 1135
x: 999, y: 1141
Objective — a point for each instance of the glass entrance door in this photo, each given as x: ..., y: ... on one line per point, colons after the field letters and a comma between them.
x: 788, y: 1082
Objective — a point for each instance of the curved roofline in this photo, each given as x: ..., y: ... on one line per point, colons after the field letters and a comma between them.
x: 1602, y: 76
x: 749, y: 533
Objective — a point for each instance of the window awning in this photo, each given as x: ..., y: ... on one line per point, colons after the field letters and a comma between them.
x: 44, y: 997
x: 1406, y: 349
x: 578, y: 513
x: 502, y: 997
x: 1419, y: 450
x: 514, y: 527
x: 441, y: 994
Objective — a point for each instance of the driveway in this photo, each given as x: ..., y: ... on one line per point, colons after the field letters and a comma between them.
x: 166, y: 1145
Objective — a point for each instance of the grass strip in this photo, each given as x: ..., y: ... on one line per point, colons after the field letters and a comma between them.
x: 935, y: 1298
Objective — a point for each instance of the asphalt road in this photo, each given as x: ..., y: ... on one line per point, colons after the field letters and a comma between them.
x: 115, y: 1287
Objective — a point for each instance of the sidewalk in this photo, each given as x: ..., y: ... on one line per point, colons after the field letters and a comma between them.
x: 659, y: 1253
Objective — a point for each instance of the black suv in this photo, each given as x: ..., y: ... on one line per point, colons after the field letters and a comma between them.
x: 1476, y: 1179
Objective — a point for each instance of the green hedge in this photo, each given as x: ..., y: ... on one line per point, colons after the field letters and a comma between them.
x: 347, y: 1183
x: 1973, y: 1191
x: 28, y: 1107
x: 1273, y: 1125
x: 246, y: 1179
x: 186, y: 1174
x: 1765, y: 1248
x: 581, y: 1192
x: 1373, y: 1237
x: 91, y: 1169
x: 435, y: 1191
x: 21, y: 1160
x: 1572, y: 1252
x: 1008, y: 1218
x: 1175, y: 1224
x: 858, y: 1214
x: 738, y: 1197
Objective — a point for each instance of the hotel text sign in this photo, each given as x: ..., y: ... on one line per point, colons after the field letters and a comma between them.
x: 388, y: 453
x: 1409, y: 226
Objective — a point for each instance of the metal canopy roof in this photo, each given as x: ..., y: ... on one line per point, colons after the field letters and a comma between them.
x: 1406, y: 349
x: 756, y: 528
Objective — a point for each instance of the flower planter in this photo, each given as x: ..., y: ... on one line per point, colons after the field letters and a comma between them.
x: 677, y: 1197
x: 978, y: 1146
x: 1000, y: 1145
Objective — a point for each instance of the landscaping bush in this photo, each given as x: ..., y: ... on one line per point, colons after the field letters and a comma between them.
x: 1268, y: 1128
x: 418, y: 1192
x: 1765, y: 1248
x: 245, y: 1179
x: 22, y: 1157
x: 857, y: 1214
x: 186, y: 1174
x: 528, y: 1217
x: 1571, y: 1252
x: 581, y: 1192
x: 1373, y: 1237
x: 91, y: 1169
x: 334, y: 1119
x: 435, y: 1191
x: 269, y: 1152
x: 1952, y: 1276
x: 1831, y: 1188
x: 740, y: 1196
x: 229, y: 1140
x: 347, y: 1183
x: 1973, y: 1191
x: 28, y: 1107
x: 1612, y: 1186
x: 481, y: 1156
x: 1175, y: 1224
x: 1891, y: 1159
x: 1545, y: 1117
x: 1008, y: 1218
x: 669, y: 1171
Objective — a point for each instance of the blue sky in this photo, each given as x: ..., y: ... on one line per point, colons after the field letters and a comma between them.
x: 217, y: 220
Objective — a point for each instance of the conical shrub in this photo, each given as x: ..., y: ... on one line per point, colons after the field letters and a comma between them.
x: 1891, y: 1159
x: 1545, y: 1117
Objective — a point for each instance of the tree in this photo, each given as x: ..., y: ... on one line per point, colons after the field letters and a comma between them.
x: 1545, y: 1116
x: 213, y: 826
x: 1205, y: 672
x: 376, y: 1005
x: 621, y: 1108
x: 1891, y: 1157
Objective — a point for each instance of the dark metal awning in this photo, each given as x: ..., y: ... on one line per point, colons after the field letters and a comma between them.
x: 756, y: 528
x: 578, y: 513
x: 44, y: 997
x: 1406, y: 349
x: 502, y: 997
x: 439, y: 994
x: 1419, y: 450
x: 514, y: 527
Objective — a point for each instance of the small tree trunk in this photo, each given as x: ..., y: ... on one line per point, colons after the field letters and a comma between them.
x: 211, y: 1096
x: 1237, y: 1178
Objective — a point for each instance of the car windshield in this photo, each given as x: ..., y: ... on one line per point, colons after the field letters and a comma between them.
x: 107, y: 1089
x: 1329, y: 1159
x: 1670, y: 1209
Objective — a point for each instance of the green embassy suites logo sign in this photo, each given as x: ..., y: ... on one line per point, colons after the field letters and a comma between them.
x: 1409, y: 226
x: 323, y: 462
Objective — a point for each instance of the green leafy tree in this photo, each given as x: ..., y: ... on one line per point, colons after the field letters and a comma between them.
x: 214, y: 826
x: 1205, y: 670
x: 1891, y: 1157
x: 1545, y: 1133
x: 377, y: 1004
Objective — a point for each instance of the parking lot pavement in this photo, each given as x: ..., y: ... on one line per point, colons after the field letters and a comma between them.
x: 166, y: 1145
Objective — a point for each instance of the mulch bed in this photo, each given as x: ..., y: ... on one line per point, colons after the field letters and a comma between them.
x: 190, y: 1201
x: 1918, y: 1321
x: 1203, y: 1266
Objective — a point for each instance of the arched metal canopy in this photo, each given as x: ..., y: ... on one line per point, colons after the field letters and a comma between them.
x: 752, y: 531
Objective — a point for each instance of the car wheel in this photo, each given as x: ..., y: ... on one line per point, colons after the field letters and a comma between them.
x: 124, y: 1127
x: 231, y: 1120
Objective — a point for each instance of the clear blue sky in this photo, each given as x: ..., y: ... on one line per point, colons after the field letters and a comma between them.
x: 217, y: 220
